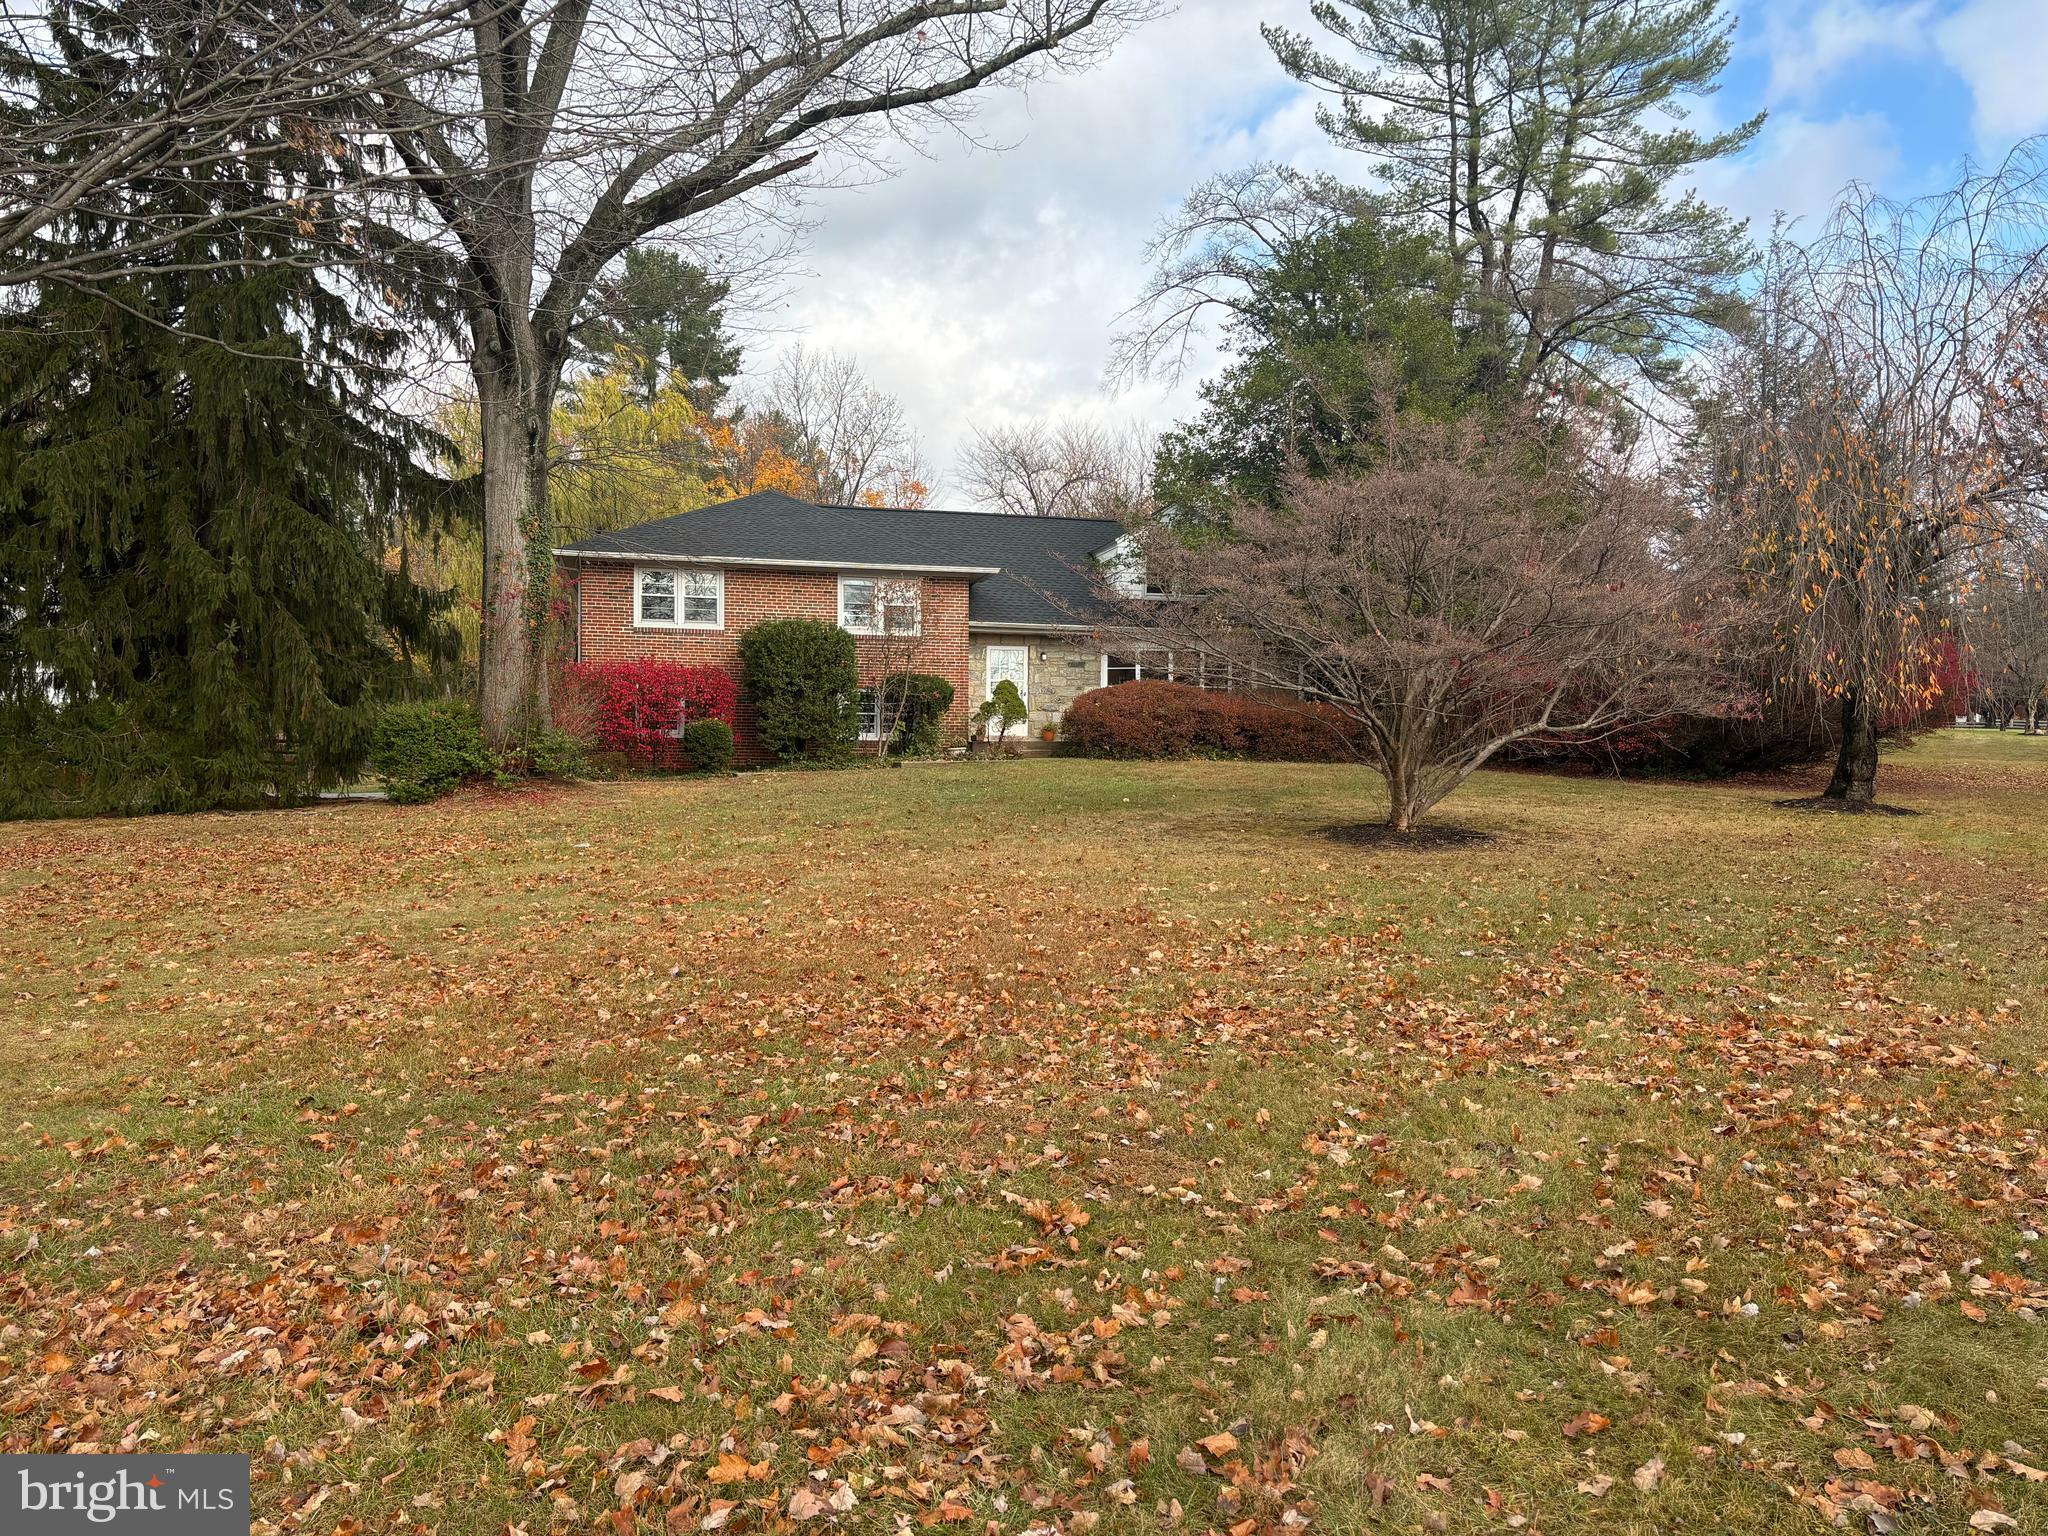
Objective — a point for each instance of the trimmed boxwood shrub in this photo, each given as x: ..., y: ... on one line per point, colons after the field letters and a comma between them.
x: 423, y: 749
x: 922, y: 699
x: 1157, y: 719
x: 803, y: 678
x: 548, y: 753
x: 707, y: 744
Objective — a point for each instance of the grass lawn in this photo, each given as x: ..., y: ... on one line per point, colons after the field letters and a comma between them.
x: 1048, y: 1146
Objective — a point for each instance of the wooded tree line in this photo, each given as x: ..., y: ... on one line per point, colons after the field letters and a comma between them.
x: 1519, y: 445
x: 235, y: 226
x: 231, y: 230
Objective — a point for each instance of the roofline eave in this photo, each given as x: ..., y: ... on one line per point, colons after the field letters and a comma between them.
x: 1019, y: 627
x: 763, y: 562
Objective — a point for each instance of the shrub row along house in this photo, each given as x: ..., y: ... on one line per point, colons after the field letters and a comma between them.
x: 976, y: 598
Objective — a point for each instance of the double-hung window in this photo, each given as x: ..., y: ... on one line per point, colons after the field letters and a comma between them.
x: 870, y: 703
x: 880, y: 605
x: 665, y: 597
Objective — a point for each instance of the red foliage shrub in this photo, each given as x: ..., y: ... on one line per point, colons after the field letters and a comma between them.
x: 1157, y: 719
x: 638, y: 708
x: 1952, y: 682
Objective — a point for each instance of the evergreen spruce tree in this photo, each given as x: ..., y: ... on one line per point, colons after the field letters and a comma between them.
x: 198, y: 488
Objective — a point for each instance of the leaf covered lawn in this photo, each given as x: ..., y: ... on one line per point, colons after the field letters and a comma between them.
x: 1054, y: 1146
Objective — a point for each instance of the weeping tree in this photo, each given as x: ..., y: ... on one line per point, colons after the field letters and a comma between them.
x: 196, y: 608
x: 1881, y: 466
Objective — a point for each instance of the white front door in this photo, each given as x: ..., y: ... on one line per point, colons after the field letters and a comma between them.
x: 1008, y: 663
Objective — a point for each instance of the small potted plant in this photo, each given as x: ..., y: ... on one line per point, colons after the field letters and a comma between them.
x: 1049, y: 735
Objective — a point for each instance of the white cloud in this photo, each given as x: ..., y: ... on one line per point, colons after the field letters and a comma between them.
x: 2000, y: 48
x: 982, y: 286
x: 1809, y: 46
x: 1799, y: 165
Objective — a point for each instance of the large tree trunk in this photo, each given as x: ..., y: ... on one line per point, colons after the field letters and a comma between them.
x: 517, y: 371
x: 1855, y: 777
x: 515, y: 485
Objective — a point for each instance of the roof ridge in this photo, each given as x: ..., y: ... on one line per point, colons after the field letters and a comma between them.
x: 1018, y: 517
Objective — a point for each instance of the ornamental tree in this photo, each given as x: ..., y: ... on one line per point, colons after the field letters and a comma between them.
x: 1482, y: 584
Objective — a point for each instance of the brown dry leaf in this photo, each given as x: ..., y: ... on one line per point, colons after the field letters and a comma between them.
x: 1648, y: 1475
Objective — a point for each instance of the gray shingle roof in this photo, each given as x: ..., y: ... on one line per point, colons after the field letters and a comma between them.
x: 1043, y: 563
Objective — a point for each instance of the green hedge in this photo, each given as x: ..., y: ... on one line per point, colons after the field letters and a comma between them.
x: 708, y: 746
x: 424, y: 749
x: 802, y: 677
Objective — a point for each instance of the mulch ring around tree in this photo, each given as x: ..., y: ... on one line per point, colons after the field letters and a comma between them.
x: 1422, y: 839
x: 1843, y: 807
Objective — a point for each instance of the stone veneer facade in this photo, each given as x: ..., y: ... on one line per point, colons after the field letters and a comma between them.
x: 1062, y: 667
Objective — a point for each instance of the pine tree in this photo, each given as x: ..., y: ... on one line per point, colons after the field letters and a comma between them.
x: 198, y: 487
x: 1543, y: 141
x: 667, y: 316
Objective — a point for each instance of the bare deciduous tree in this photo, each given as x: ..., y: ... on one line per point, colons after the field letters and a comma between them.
x: 866, y: 451
x: 1881, y: 467
x: 1206, y: 259
x: 1473, y: 590
x: 101, y: 114
x: 2005, y: 617
x: 559, y: 137
x: 1059, y: 469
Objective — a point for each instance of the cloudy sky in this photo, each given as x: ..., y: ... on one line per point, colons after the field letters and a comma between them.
x: 982, y: 284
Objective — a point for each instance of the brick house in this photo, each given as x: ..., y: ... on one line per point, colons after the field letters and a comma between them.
x: 984, y: 596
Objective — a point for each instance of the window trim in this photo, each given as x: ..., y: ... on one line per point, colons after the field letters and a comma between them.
x: 640, y: 572
x: 1136, y: 655
x: 862, y: 698
x: 879, y: 630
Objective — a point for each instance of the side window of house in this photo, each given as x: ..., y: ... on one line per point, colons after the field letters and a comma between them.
x: 665, y: 598
x: 657, y: 597
x: 870, y: 605
x: 1185, y: 667
x: 703, y: 597
x: 857, y: 604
